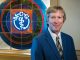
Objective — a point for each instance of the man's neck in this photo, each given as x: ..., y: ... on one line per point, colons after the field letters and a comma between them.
x: 55, y: 32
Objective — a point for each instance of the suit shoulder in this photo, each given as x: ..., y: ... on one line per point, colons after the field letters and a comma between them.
x: 40, y: 36
x: 65, y: 34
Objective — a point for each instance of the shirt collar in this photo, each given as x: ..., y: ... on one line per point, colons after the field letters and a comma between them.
x: 53, y: 34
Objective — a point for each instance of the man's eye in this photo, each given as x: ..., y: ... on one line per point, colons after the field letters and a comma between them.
x: 59, y: 17
x: 53, y: 17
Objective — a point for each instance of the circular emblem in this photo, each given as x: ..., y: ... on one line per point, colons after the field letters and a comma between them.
x: 21, y: 21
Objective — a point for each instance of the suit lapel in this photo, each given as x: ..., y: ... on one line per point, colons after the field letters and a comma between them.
x: 52, y: 44
x: 63, y: 37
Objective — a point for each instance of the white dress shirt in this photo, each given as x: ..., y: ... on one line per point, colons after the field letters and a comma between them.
x: 53, y: 35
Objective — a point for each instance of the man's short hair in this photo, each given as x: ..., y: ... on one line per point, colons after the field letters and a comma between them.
x: 53, y: 9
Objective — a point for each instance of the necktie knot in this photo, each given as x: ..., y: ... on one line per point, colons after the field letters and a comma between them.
x: 57, y: 38
x: 57, y: 42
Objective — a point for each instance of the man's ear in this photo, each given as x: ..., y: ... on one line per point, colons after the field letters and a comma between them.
x: 47, y: 17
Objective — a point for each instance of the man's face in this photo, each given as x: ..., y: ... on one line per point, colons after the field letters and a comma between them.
x: 55, y: 21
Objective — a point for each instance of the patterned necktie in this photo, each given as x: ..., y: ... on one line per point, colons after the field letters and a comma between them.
x: 58, y: 45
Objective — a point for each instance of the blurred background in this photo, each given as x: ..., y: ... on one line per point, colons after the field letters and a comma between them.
x: 16, y: 44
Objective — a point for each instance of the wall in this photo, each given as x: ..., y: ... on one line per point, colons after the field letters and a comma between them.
x: 53, y: 2
x: 72, y: 24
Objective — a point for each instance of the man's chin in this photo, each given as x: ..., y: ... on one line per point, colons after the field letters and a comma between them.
x: 55, y: 31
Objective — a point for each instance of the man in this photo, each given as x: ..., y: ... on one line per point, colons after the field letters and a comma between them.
x: 53, y: 44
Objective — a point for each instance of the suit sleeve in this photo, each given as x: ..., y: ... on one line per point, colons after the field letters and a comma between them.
x: 36, y: 50
x: 74, y: 56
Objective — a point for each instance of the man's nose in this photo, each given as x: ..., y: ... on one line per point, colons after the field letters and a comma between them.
x: 55, y: 20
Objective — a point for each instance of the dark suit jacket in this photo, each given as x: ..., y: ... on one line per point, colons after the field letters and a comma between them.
x: 44, y: 48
